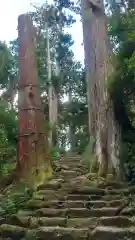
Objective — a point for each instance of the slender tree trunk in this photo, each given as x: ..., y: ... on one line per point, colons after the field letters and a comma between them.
x: 33, y: 157
x: 70, y: 129
x: 54, y: 119
x: 55, y: 109
x: 98, y: 68
x: 50, y: 89
x: 52, y: 94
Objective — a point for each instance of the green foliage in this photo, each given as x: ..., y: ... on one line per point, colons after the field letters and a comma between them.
x: 122, y: 83
x: 8, y: 131
x: 8, y: 120
x: 67, y: 75
x: 5, y: 64
x: 54, y: 154
x: 14, y: 200
x: 70, y: 78
x: 88, y: 154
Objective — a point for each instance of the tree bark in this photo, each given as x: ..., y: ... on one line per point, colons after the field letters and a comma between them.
x: 71, y: 134
x: 52, y: 94
x: 102, y: 123
x: 33, y: 159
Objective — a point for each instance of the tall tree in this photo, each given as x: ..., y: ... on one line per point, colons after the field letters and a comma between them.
x: 121, y: 84
x: 52, y: 19
x: 98, y: 68
x: 66, y: 74
x: 33, y: 160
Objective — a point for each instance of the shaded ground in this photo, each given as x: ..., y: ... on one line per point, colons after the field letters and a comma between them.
x: 72, y: 207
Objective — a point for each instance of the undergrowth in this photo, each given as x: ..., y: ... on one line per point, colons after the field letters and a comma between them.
x: 14, y: 199
x: 16, y: 196
x: 88, y: 156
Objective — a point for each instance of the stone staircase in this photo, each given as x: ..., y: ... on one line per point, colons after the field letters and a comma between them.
x: 70, y: 208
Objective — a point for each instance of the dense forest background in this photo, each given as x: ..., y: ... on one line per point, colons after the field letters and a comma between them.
x: 62, y: 77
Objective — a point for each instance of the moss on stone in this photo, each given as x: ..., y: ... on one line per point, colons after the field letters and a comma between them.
x: 15, y: 232
x: 39, y: 176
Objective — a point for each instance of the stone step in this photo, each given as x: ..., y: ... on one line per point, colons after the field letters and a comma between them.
x: 82, y: 222
x: 36, y: 204
x: 71, y: 212
x: 65, y: 173
x: 120, y: 222
x: 87, y: 190
x: 51, y: 194
x: 62, y: 196
x: 73, y: 166
x: 113, y: 184
x: 83, y: 197
x: 72, y: 158
x: 58, y: 233
x: 42, y: 233
x: 70, y: 167
x: 99, y: 212
x: 113, y: 233
x: 117, y: 221
x: 128, y: 211
x: 71, y: 163
x: 101, y: 204
x: 47, y: 212
x: 12, y: 232
x: 109, y: 197
x: 79, y: 169
x: 124, y: 192
x: 35, y: 222
x: 53, y: 184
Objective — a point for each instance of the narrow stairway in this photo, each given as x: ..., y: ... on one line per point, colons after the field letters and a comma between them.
x: 70, y: 208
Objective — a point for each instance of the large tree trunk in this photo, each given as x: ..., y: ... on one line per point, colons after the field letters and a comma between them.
x: 102, y: 124
x: 33, y: 162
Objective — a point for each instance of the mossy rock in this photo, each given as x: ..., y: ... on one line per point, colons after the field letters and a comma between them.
x: 14, y: 232
x: 40, y: 177
x: 21, y: 221
x: 93, y: 177
x: 55, y: 233
x: 94, y: 164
